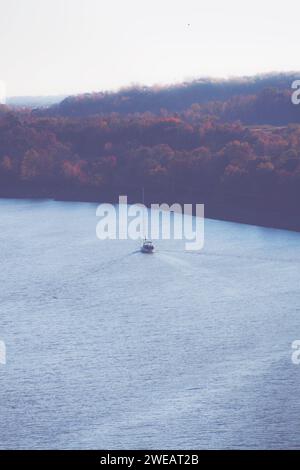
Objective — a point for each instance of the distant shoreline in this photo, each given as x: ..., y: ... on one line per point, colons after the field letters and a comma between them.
x: 218, y: 210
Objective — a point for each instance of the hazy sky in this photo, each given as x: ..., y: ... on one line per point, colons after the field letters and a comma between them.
x: 70, y: 46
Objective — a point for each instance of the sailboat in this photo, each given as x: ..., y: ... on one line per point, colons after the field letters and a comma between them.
x: 147, y: 245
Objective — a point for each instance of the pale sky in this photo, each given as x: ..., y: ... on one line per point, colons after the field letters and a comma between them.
x: 50, y: 47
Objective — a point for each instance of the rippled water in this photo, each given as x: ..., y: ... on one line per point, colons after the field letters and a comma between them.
x: 110, y: 348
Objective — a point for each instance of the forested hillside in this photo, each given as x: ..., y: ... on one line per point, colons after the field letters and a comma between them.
x: 240, y: 156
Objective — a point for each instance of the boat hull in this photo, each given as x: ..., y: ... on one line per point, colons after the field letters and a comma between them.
x: 147, y: 250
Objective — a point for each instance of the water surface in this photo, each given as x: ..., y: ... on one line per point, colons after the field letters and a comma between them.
x: 110, y: 348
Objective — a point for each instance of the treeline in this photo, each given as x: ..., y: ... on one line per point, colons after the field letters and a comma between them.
x: 204, y: 153
x: 175, y: 98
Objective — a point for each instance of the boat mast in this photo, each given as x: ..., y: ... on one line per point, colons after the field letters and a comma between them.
x: 143, y: 198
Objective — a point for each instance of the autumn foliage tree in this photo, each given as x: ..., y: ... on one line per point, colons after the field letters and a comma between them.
x: 205, y: 152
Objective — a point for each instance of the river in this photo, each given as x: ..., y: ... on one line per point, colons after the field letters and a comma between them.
x: 110, y: 348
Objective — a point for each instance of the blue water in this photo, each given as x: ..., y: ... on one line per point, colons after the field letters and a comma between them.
x: 110, y: 348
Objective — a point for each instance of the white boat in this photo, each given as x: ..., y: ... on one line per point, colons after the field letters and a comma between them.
x: 147, y: 246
